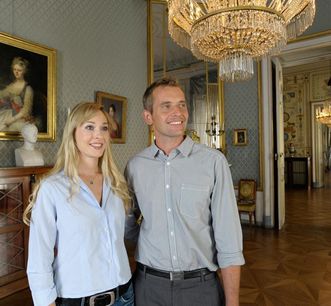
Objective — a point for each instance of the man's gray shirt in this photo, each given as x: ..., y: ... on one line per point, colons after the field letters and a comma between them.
x: 190, y: 216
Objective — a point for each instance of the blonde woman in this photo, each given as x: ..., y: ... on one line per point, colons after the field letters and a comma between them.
x: 76, y: 249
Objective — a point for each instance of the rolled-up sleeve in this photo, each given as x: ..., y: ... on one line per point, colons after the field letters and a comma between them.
x: 41, y: 248
x: 226, y: 222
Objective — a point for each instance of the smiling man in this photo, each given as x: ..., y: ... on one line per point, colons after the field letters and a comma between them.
x: 190, y: 225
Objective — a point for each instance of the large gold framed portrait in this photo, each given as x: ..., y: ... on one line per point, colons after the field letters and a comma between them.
x: 27, y: 88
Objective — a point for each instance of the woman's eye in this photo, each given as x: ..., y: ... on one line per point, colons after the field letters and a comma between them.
x: 105, y: 128
x: 89, y: 127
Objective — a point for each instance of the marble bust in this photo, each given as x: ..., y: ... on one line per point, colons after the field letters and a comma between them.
x: 27, y: 155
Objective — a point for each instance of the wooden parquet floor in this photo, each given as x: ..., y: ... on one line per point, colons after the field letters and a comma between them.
x: 291, y: 267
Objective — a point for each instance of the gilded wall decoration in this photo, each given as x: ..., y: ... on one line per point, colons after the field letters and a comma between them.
x: 294, y: 120
x: 319, y: 89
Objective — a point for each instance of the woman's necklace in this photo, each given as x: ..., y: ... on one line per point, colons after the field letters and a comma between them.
x: 91, y: 180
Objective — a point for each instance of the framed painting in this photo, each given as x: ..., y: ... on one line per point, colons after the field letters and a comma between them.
x: 116, y: 107
x: 27, y: 88
x: 240, y: 137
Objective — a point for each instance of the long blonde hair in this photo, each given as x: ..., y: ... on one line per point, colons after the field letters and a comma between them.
x: 68, y: 158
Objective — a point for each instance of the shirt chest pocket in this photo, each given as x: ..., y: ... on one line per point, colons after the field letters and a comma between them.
x: 194, y: 200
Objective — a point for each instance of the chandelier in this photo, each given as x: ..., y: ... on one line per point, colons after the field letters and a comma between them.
x: 234, y: 32
x: 323, y: 114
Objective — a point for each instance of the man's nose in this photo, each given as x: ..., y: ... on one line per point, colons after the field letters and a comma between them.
x: 177, y: 109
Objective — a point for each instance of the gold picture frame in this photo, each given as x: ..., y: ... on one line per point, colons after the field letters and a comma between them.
x: 116, y: 106
x: 240, y: 137
x: 32, y: 101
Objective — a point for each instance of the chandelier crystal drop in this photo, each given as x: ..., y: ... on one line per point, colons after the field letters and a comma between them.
x: 235, y: 32
x: 323, y: 114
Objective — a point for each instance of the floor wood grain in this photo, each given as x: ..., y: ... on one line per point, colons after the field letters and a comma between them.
x: 291, y: 267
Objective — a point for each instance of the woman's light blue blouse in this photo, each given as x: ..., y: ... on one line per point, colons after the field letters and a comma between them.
x: 76, y: 246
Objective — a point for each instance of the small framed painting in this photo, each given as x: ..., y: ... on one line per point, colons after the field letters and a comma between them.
x: 240, y: 137
x: 116, y: 107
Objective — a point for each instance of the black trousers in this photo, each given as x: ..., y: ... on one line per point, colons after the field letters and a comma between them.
x: 153, y: 290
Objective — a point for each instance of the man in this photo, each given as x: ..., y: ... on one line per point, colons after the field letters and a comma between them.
x: 190, y: 225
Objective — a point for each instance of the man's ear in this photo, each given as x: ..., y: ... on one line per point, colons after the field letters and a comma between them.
x: 147, y: 116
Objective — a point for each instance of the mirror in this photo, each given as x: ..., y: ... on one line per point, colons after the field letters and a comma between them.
x: 199, y: 80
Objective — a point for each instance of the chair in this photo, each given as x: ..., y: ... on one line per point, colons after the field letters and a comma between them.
x: 246, y: 200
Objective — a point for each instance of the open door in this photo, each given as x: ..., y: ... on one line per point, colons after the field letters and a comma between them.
x: 279, y: 156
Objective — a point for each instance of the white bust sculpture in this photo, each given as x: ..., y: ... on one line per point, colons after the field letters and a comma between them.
x: 27, y: 155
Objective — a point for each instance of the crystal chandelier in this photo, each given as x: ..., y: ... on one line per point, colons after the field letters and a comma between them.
x: 234, y: 32
x: 323, y: 114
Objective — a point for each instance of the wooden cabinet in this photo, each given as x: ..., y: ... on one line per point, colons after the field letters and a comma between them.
x: 297, y: 172
x: 15, y: 188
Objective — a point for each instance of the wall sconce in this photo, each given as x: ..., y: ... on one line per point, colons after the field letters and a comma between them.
x: 214, y: 130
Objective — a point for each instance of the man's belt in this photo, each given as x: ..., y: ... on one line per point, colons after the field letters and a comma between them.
x: 181, y: 275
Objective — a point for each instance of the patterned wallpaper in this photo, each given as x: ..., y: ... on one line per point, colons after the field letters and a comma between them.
x: 101, y: 45
x: 241, y: 111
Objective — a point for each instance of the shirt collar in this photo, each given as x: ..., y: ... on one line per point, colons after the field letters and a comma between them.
x: 185, y: 147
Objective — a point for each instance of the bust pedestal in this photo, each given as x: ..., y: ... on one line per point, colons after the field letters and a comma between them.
x: 25, y: 158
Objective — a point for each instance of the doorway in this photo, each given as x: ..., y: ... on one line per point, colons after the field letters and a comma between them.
x: 317, y: 53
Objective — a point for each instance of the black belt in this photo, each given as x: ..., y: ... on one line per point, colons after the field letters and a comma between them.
x: 100, y: 299
x: 175, y: 275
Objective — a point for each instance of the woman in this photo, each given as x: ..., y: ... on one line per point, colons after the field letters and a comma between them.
x: 76, y: 249
x: 114, y: 128
x: 16, y: 98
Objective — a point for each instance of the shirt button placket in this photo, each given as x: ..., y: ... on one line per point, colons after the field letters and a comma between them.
x: 172, y: 238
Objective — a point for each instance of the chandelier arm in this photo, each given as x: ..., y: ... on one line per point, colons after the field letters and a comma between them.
x: 205, y: 5
x: 276, y: 5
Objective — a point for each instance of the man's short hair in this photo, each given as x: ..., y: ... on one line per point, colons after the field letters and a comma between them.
x: 147, y: 98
